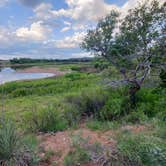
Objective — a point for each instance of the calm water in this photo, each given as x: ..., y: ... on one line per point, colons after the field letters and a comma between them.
x: 9, y: 74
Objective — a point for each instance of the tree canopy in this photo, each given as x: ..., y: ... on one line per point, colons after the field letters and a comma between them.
x: 131, y: 43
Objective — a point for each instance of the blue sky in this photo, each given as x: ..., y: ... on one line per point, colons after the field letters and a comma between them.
x: 50, y: 28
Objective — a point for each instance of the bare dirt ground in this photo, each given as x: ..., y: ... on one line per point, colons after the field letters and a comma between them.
x: 60, y: 143
x: 42, y: 70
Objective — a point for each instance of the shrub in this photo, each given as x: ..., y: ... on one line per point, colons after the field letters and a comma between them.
x: 45, y: 120
x: 12, y: 149
x: 159, y: 128
x: 142, y: 150
x: 111, y: 110
x: 21, y: 92
x: 73, y: 76
x: 136, y: 116
x: 162, y: 115
x: 163, y: 77
x: 151, y: 101
x: 76, y: 68
x: 71, y: 114
x: 88, y: 102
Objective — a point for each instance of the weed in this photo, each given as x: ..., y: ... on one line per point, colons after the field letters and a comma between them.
x: 76, y: 157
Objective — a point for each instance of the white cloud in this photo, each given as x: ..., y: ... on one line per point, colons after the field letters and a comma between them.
x: 81, y: 55
x: 79, y: 16
x: 36, y: 32
x: 134, y: 3
x: 90, y: 10
x: 80, y: 10
x: 65, y: 29
x: 83, y: 11
x: 70, y: 41
x: 67, y: 23
x: 74, y: 26
x: 44, y: 11
x: 7, y: 37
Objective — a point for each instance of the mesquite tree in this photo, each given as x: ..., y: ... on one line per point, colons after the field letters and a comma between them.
x: 132, y: 50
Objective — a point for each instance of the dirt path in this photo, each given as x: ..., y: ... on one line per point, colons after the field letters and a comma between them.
x: 60, y: 143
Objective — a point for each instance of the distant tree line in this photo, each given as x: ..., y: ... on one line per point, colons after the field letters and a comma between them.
x: 29, y: 60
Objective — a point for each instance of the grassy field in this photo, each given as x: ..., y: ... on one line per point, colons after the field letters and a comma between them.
x: 64, y: 103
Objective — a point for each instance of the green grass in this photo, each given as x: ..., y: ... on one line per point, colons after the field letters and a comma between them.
x: 68, y: 83
x: 15, y: 149
x: 56, y: 104
x: 23, y: 98
x: 143, y: 148
x: 77, y: 157
x: 102, y: 126
x: 75, y: 95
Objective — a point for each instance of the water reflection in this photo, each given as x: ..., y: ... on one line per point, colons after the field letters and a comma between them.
x: 8, y: 74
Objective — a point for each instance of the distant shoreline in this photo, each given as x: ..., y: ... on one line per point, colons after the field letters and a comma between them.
x: 41, y: 70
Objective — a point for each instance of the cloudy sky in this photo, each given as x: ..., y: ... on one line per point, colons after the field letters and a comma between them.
x: 50, y: 28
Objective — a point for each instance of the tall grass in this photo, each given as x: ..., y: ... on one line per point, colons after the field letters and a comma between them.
x: 12, y: 149
x: 75, y: 96
x: 68, y: 83
x: 45, y: 120
x: 143, y: 149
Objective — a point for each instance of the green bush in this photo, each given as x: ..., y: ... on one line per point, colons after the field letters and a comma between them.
x: 76, y: 68
x: 45, y: 120
x: 151, y: 101
x: 73, y: 76
x: 136, y: 116
x: 163, y: 78
x: 21, y: 92
x: 71, y: 114
x: 111, y: 110
x: 88, y: 102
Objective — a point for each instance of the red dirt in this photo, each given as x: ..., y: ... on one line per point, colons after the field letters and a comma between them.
x: 42, y: 70
x: 60, y: 142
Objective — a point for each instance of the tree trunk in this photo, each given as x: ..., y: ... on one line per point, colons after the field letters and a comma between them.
x: 135, y: 87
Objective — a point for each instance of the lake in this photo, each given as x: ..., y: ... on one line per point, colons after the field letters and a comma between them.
x: 8, y: 74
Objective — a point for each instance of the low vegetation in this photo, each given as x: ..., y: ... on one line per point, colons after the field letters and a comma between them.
x: 125, y: 111
x: 13, y: 148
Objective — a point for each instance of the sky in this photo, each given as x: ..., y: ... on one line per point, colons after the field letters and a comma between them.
x: 51, y: 29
